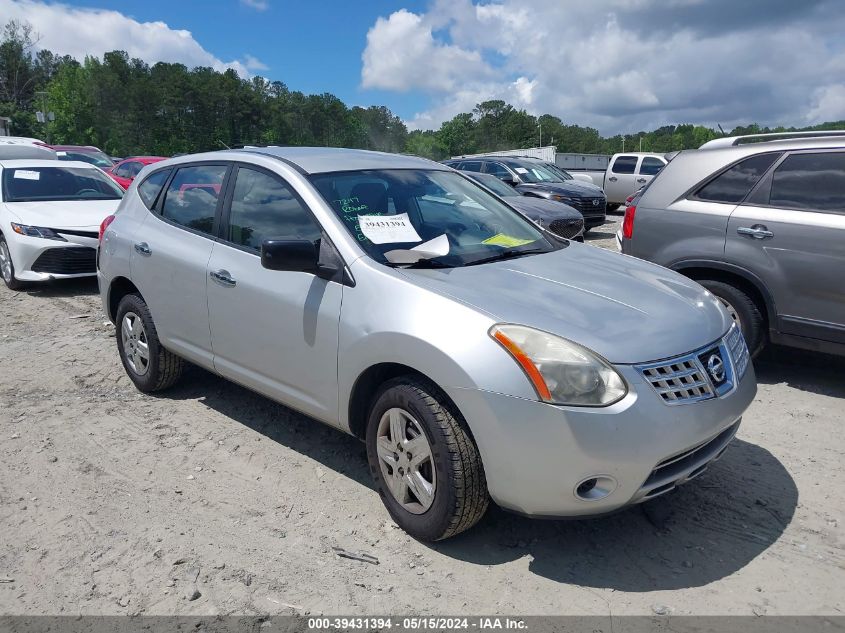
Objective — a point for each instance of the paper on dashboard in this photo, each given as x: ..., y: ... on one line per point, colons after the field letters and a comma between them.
x: 438, y: 247
x: 388, y: 229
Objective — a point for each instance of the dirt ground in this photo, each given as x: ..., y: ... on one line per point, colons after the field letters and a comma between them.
x: 210, y: 499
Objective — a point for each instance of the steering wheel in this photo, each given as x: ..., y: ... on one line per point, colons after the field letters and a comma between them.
x: 83, y: 191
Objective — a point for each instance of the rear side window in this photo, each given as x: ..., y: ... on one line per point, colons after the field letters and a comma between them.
x: 734, y: 184
x: 625, y: 165
x: 810, y: 181
x: 651, y: 166
x: 264, y: 207
x: 151, y: 187
x: 471, y: 165
x: 191, y: 198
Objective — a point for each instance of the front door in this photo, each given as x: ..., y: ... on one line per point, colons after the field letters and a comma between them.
x: 273, y: 331
x: 621, y: 179
x: 791, y: 231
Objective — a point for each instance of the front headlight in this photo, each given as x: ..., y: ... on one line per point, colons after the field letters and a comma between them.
x: 37, y: 231
x: 561, y: 371
x: 560, y: 198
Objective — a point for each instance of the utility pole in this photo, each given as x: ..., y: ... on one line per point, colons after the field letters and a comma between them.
x: 540, y: 125
x: 641, y: 142
x: 623, y: 143
x: 44, y: 116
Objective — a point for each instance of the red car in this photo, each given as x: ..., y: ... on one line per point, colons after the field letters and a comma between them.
x: 124, y: 172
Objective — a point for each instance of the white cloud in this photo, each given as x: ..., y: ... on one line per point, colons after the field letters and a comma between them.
x: 619, y: 65
x: 258, y: 5
x: 79, y: 32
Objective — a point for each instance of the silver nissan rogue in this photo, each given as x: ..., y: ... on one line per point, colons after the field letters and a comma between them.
x: 477, y: 355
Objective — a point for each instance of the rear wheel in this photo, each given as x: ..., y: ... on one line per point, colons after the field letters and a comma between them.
x: 7, y: 268
x: 743, y: 310
x: 147, y: 363
x: 426, y: 465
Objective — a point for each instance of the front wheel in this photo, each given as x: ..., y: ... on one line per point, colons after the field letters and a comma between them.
x: 147, y: 363
x: 7, y: 268
x: 426, y: 465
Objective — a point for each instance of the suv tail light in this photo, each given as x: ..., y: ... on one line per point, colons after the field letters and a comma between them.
x: 105, y: 224
x: 628, y: 222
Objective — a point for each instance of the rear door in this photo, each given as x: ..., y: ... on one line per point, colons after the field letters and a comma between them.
x: 648, y: 168
x: 621, y: 178
x: 170, y: 255
x: 273, y: 331
x: 792, y: 228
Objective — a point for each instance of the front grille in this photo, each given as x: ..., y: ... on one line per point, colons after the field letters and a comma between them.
x: 72, y: 260
x: 91, y: 234
x: 708, y: 372
x: 567, y: 228
x: 682, y: 380
x: 589, y: 206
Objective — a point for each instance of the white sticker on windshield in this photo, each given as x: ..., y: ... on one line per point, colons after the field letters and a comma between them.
x: 388, y: 229
x: 26, y: 174
x: 521, y: 170
x: 61, y: 153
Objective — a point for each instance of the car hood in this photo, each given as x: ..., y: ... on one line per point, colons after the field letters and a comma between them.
x: 574, y: 188
x: 536, y: 208
x: 65, y: 214
x: 626, y: 309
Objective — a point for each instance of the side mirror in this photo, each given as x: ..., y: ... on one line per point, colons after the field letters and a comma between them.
x: 292, y: 255
x: 510, y: 181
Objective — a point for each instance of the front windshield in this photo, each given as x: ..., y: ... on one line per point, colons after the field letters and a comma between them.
x: 94, y: 158
x: 535, y: 173
x: 495, y: 185
x: 30, y: 184
x: 564, y: 175
x: 428, y: 218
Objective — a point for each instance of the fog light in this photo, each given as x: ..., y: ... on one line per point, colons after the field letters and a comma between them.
x: 595, y: 488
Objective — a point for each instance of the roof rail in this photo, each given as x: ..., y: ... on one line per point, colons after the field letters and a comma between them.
x: 733, y: 141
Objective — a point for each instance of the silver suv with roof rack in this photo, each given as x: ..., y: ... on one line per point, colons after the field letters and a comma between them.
x: 758, y: 220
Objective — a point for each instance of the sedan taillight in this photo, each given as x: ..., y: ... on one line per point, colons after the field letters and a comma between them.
x: 628, y: 222
x: 103, y: 226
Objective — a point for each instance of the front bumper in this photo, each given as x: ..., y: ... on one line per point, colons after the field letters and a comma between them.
x: 37, y: 259
x: 535, y: 455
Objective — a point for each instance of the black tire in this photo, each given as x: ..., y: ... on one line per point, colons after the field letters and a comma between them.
x: 164, y: 368
x: 460, y: 497
x: 612, y: 208
x: 750, y: 315
x: 11, y: 282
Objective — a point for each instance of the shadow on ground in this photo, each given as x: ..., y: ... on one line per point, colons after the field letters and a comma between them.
x: 799, y: 369
x: 704, y: 531
x: 82, y: 286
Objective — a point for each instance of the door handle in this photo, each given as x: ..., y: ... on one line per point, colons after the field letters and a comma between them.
x: 758, y: 231
x: 613, y: 179
x: 223, y: 277
x: 143, y: 248
x: 640, y: 179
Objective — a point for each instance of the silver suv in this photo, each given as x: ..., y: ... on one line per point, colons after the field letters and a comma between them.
x: 760, y: 222
x: 477, y: 355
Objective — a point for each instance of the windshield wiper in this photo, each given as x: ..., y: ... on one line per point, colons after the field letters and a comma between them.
x: 426, y: 263
x: 506, y: 254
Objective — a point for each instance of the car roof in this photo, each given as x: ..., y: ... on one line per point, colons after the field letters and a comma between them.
x: 26, y: 151
x: 146, y: 160
x: 22, y: 163
x: 316, y: 160
x: 76, y: 147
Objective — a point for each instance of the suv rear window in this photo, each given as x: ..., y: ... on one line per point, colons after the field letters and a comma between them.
x: 810, y: 181
x: 625, y: 165
x: 735, y: 183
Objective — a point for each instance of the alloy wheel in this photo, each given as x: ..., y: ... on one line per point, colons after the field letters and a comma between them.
x: 731, y: 311
x: 136, y: 348
x: 5, y: 262
x: 406, y: 462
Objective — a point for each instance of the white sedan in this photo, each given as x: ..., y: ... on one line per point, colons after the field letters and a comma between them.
x: 50, y: 215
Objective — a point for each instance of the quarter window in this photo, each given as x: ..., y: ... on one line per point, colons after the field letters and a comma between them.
x: 625, y: 165
x: 810, y: 181
x: 264, y: 207
x: 150, y: 188
x: 651, y: 166
x: 734, y: 184
x: 191, y: 198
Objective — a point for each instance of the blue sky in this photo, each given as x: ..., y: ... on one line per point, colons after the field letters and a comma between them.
x: 616, y: 65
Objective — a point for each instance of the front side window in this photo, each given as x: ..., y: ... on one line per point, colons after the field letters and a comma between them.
x: 150, y: 188
x: 651, y: 166
x: 31, y: 184
x: 264, y: 207
x: 471, y: 165
x: 499, y: 171
x: 122, y: 171
x: 191, y: 197
x: 133, y: 169
x: 449, y: 219
x: 625, y: 165
x: 814, y: 182
x: 734, y: 184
